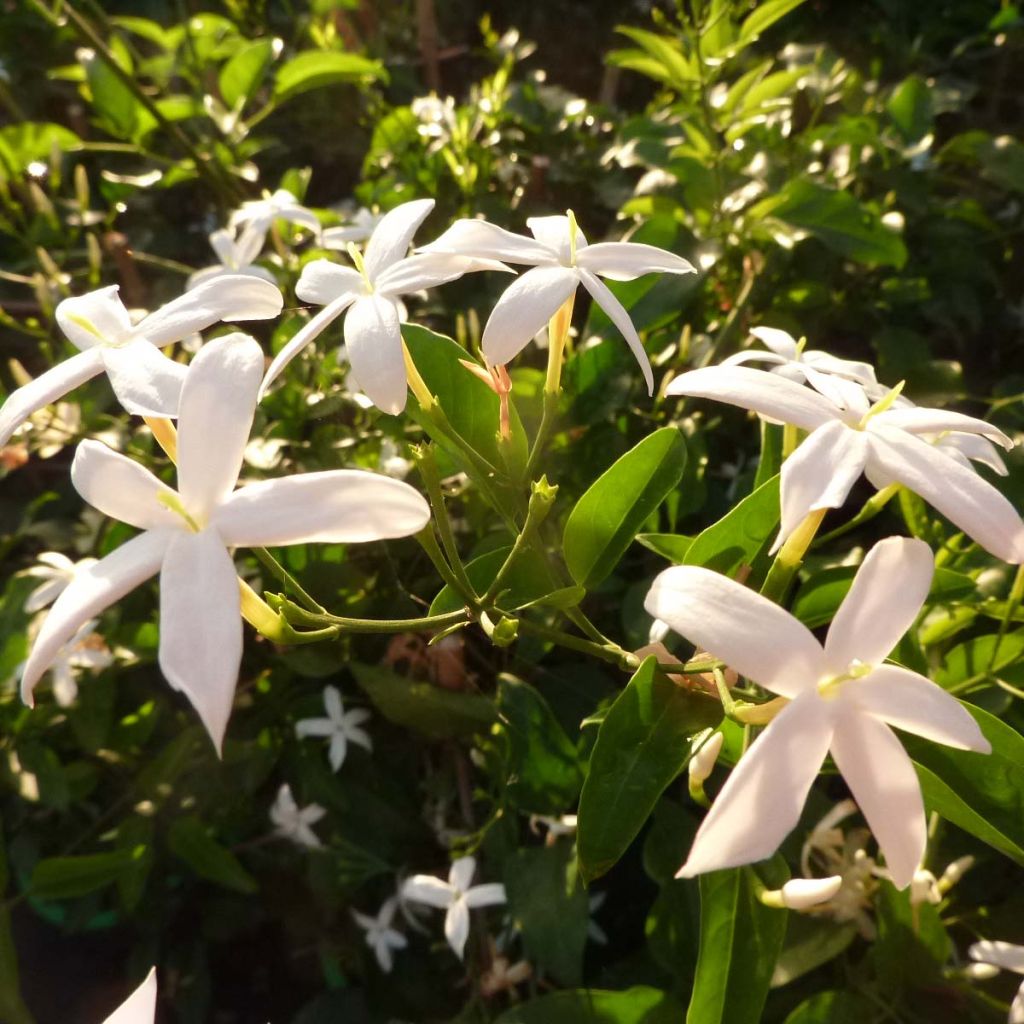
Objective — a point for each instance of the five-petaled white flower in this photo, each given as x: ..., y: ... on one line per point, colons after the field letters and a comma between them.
x: 188, y: 532
x: 260, y: 214
x: 380, y: 936
x: 86, y: 650
x: 294, y: 822
x: 561, y: 261
x: 1008, y: 957
x: 140, y: 1006
x: 880, y: 441
x: 456, y: 897
x: 56, y: 571
x: 373, y: 336
x: 145, y: 381
x: 236, y: 256
x: 843, y: 701
x: 341, y: 727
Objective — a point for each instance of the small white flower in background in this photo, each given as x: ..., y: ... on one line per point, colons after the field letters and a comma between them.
x: 561, y: 260
x: 843, y: 701
x: 145, y: 381
x: 924, y: 888
x: 373, y: 337
x: 1008, y: 957
x: 49, y: 430
x: 294, y: 822
x: 264, y: 452
x: 595, y: 933
x: 880, y: 441
x: 140, y: 1006
x: 357, y: 228
x: 564, y: 825
x: 85, y: 651
x: 341, y: 727
x: 260, y: 214
x: 380, y: 936
x: 706, y: 746
x: 236, y: 256
x: 56, y: 571
x: 457, y: 897
x: 391, y: 462
x: 803, y: 894
x: 188, y: 533
x: 503, y: 975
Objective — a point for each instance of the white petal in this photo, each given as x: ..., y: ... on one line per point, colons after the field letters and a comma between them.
x: 1003, y: 954
x: 207, y: 274
x: 338, y: 506
x: 333, y: 704
x: 247, y: 247
x: 88, y: 594
x: 456, y: 927
x: 974, y: 447
x: 140, y: 1006
x: 762, y: 799
x: 320, y: 728
x: 382, y: 952
x: 754, y: 355
x: 915, y: 704
x: 121, y: 488
x: 488, y: 241
x: 96, y: 318
x: 373, y: 340
x: 847, y: 394
x: 358, y: 736
x: 553, y: 232
x: 338, y: 750
x: 491, y: 894
x: 853, y: 369
x: 1017, y: 1007
x: 884, y: 784
x: 819, y: 474
x: 779, y: 341
x: 46, y: 388
x: 748, y: 632
x: 201, y: 626
x: 523, y: 309
x: 218, y: 401
x: 429, y: 890
x: 145, y: 381
x: 428, y: 270
x: 765, y: 393
x: 45, y: 594
x: 626, y: 261
x: 603, y: 296
x: 393, y: 234
x: 234, y: 297
x: 966, y: 499
x: 886, y: 596
x: 918, y: 420
x: 322, y: 281
x: 222, y: 242
x: 460, y: 874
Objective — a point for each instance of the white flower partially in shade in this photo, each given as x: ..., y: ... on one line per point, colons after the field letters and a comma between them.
x: 882, y: 441
x: 236, y: 256
x: 357, y: 228
x: 145, y: 381
x: 381, y: 937
x: 843, y: 700
x: 294, y: 822
x: 1007, y: 957
x: 188, y: 533
x: 562, y: 260
x: 456, y: 897
x: 260, y: 214
x: 85, y: 651
x: 370, y: 293
x: 140, y: 1006
x: 341, y: 727
x: 56, y: 571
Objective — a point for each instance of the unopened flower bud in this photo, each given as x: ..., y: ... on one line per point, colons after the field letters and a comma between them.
x: 980, y: 972
x: 954, y: 872
x: 803, y: 893
x: 923, y: 888
x: 703, y: 761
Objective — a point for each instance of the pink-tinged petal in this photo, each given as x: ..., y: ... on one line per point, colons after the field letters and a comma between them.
x: 428, y: 270
x: 779, y: 341
x: 767, y: 394
x: 140, y: 1006
x: 201, y: 626
x: 488, y: 241
x: 393, y: 234
x: 626, y: 261
x: 96, y: 318
x: 322, y: 281
x: 819, y: 474
x: 918, y: 420
x: 886, y: 596
x: 966, y: 499
x: 121, y: 488
x: 1001, y: 954
x: 373, y: 340
x: 616, y: 312
x: 218, y: 401
x: 303, y: 336
x: 490, y: 894
x: 884, y: 784
x: 46, y: 388
x: 915, y: 704
x: 234, y: 297
x: 553, y: 233
x: 456, y: 927
x: 762, y: 799
x: 339, y: 506
x: 748, y: 632
x: 460, y: 874
x: 145, y: 381
x: 429, y: 890
x: 89, y: 593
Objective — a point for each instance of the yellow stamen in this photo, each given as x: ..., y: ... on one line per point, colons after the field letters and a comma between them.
x: 572, y: 236
x: 357, y: 258
x: 558, y: 335
x: 882, y: 404
x: 172, y: 500
x: 86, y: 325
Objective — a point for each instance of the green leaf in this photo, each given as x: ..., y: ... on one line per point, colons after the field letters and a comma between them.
x: 242, y: 75
x: 641, y: 746
x: 832, y: 1008
x: 810, y: 942
x: 740, y: 939
x: 427, y: 709
x: 836, y: 219
x: 910, y: 108
x: 980, y: 656
x: 21, y: 144
x: 672, y: 546
x: 190, y: 840
x: 608, y: 516
x: 529, y: 580
x: 64, y: 878
x: 116, y: 105
x: 637, y: 1005
x: 316, y: 69
x: 764, y: 16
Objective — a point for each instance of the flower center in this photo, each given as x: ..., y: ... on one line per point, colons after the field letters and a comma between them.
x: 172, y: 500
x: 881, y: 405
x: 857, y: 669
x: 357, y: 258
x: 572, y: 237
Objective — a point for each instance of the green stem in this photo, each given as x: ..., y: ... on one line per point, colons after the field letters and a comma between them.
x: 431, y: 477
x: 548, y: 415
x: 606, y: 652
x: 868, y: 511
x: 1012, y: 604
x: 425, y: 624
x: 288, y: 579
x: 428, y: 541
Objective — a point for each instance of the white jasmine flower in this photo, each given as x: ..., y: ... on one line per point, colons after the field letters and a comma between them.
x: 294, y: 822
x: 85, y: 651
x: 843, y: 700
x: 1009, y: 957
x: 391, y: 462
x: 188, y: 533
x: 380, y: 936
x: 236, y: 256
x: 260, y: 214
x: 140, y: 1006
x: 358, y: 228
x: 706, y: 750
x: 341, y: 727
x: 924, y: 888
x: 56, y: 571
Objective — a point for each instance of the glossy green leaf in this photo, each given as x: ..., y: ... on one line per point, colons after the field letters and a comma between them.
x: 672, y: 546
x: 810, y: 942
x: 243, y: 74
x: 910, y: 108
x: 21, y: 144
x: 63, y: 878
x: 189, y: 839
x: 764, y: 16
x: 528, y: 580
x: 637, y: 1005
x: 316, y: 69
x: 642, y: 745
x: 977, y: 657
x: 608, y: 516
